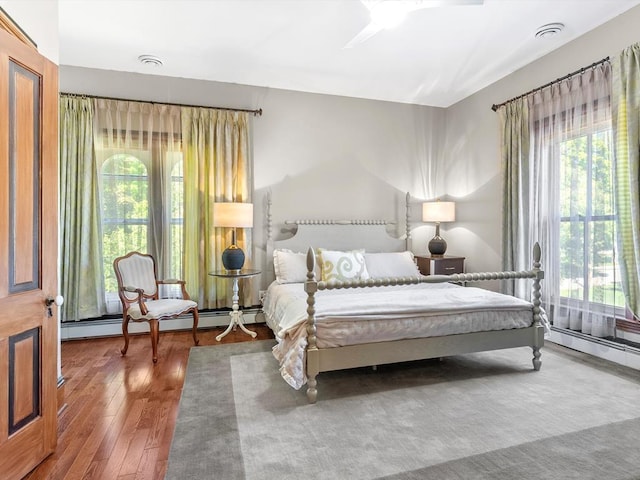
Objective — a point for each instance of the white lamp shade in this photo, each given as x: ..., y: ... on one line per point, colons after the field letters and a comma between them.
x: 232, y: 214
x: 438, y: 212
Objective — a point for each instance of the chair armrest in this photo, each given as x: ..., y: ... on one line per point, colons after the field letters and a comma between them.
x: 174, y: 281
x: 140, y: 292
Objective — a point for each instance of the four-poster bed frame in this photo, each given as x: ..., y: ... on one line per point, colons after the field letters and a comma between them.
x: 372, y: 236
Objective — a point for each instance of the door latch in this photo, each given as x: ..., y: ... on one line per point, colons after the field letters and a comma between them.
x: 59, y: 300
x: 48, y: 302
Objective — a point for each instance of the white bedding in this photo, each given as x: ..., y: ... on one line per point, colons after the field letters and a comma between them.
x: 366, y: 315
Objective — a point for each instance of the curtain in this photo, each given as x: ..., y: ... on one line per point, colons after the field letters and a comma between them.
x: 81, y: 274
x: 217, y: 168
x: 573, y: 200
x: 559, y: 196
x: 139, y: 150
x: 514, y: 119
x: 626, y: 121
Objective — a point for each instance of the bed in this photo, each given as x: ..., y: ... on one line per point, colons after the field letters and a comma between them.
x: 358, y: 300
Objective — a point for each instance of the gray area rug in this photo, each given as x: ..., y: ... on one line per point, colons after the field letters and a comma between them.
x: 478, y: 416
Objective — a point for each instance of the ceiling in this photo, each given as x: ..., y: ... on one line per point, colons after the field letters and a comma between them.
x: 436, y: 57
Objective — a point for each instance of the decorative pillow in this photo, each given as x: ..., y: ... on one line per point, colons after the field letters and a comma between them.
x: 391, y: 264
x: 343, y: 266
x: 291, y: 267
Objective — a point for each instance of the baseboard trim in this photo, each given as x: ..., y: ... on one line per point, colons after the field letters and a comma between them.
x: 598, y: 347
x: 606, y: 349
x: 113, y: 327
x: 60, y: 396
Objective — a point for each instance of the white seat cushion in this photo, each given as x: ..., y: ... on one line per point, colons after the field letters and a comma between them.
x: 161, y: 308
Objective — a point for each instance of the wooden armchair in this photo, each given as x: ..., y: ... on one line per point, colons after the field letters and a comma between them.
x: 138, y: 290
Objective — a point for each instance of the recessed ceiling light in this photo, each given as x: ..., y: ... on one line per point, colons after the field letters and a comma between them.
x: 150, y: 60
x: 549, y: 30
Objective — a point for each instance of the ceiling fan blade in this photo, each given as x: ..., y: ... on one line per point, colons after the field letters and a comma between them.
x: 365, y: 34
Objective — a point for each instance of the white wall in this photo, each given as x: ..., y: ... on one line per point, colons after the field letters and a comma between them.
x: 321, y: 156
x: 334, y: 157
x: 472, y: 146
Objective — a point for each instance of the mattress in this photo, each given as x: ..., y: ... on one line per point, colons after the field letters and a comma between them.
x: 380, y: 314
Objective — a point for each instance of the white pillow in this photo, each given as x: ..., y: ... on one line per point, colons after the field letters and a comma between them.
x: 291, y: 267
x: 343, y: 266
x: 391, y: 264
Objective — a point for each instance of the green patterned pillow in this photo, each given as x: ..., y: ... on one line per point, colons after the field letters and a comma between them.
x: 343, y: 266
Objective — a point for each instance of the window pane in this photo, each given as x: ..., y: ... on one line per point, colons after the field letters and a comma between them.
x: 588, y: 221
x: 601, y: 174
x: 125, y: 211
x: 177, y: 201
x: 177, y: 190
x: 118, y: 240
x: 125, y: 189
x: 573, y: 177
x: 604, y: 278
x: 572, y: 282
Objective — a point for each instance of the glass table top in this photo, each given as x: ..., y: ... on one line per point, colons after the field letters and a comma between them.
x: 245, y: 272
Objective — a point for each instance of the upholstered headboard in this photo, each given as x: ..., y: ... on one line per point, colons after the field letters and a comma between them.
x: 372, y: 235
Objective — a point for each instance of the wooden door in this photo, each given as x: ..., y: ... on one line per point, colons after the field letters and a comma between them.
x: 28, y: 256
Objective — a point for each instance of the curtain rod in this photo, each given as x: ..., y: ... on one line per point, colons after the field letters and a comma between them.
x: 257, y: 113
x: 495, y: 107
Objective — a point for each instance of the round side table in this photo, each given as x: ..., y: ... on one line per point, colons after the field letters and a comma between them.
x: 236, y: 313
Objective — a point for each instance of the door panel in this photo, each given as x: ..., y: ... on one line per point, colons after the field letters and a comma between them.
x: 24, y: 166
x: 24, y: 104
x: 24, y: 379
x: 28, y: 257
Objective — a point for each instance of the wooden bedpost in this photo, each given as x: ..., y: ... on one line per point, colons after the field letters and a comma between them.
x: 313, y: 365
x: 537, y: 255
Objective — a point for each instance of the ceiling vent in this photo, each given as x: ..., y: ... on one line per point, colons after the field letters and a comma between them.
x: 150, y: 60
x: 549, y: 30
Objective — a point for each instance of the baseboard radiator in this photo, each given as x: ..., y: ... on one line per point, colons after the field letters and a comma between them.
x: 113, y: 326
x: 611, y: 350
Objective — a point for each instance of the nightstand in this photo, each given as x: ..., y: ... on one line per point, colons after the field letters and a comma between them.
x: 444, y: 265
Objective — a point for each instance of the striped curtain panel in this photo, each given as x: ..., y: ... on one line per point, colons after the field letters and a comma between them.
x: 81, y: 272
x: 626, y: 128
x: 217, y: 168
x: 516, y: 254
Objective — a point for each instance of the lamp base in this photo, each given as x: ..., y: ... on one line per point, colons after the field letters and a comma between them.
x: 437, y: 246
x: 233, y: 258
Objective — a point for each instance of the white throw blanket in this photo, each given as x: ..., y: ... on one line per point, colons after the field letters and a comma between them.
x: 285, y: 308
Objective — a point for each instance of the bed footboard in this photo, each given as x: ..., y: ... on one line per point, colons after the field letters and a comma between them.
x: 532, y: 336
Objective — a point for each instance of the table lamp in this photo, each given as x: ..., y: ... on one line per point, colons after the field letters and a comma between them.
x: 233, y: 215
x: 438, y: 212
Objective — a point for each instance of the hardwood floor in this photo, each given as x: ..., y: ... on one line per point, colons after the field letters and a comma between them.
x: 121, y: 411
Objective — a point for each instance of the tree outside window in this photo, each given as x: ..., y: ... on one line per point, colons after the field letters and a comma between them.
x: 142, y: 210
x: 588, y: 267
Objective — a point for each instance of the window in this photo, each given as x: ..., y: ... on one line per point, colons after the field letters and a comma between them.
x: 142, y: 209
x: 588, y: 268
x: 125, y: 210
x: 123, y: 184
x: 177, y: 209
